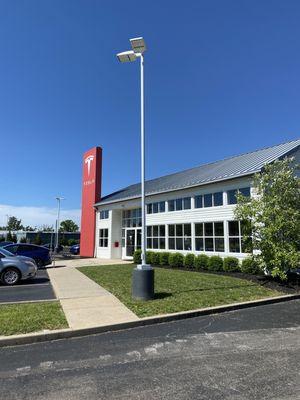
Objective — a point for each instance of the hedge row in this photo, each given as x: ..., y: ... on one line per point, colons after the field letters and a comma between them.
x: 202, y: 261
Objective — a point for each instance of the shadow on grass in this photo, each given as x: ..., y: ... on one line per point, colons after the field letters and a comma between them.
x: 162, y: 295
x: 205, y: 289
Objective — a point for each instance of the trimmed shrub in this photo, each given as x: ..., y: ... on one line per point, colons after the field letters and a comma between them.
x: 155, y: 258
x: 71, y: 242
x: 149, y: 257
x: 23, y: 240
x: 189, y: 260
x: 249, y: 266
x: 231, y: 264
x: 64, y: 241
x: 176, y: 260
x: 137, y: 256
x: 164, y: 258
x: 215, y: 263
x: 201, y: 261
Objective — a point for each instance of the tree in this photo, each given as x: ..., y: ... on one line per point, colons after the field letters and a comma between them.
x: 38, y: 240
x: 68, y: 226
x: 14, y: 224
x: 29, y: 228
x: 47, y: 228
x: 273, y: 214
x: 9, y: 237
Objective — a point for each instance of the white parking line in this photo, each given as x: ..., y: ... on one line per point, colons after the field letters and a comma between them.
x: 25, y: 286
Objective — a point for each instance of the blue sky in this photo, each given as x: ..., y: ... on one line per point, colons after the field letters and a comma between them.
x: 222, y: 78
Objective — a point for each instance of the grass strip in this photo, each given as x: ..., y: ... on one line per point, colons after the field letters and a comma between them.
x: 31, y: 317
x: 176, y: 290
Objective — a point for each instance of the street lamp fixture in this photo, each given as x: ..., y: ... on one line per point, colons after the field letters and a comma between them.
x: 143, y: 274
x: 138, y: 45
x: 126, y: 56
x: 59, y: 199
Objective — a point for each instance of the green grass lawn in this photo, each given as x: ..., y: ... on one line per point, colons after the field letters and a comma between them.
x: 176, y: 290
x: 31, y: 317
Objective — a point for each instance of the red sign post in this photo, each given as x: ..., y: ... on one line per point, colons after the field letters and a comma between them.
x: 91, y: 194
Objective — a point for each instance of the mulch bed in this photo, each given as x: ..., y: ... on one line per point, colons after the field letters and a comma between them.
x: 287, y: 287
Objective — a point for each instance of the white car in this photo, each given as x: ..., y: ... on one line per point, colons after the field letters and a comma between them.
x: 15, y: 268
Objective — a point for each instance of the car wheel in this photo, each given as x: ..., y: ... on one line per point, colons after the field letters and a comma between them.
x: 10, y: 276
x: 39, y: 263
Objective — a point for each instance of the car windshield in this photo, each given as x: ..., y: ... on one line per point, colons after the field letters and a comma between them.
x: 6, y: 253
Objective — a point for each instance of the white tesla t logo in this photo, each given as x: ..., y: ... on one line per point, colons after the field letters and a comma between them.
x: 88, y: 161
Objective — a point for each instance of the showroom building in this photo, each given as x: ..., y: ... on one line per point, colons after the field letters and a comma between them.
x: 188, y: 211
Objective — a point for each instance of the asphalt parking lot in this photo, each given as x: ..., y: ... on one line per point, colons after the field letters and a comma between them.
x: 39, y: 288
x: 245, y: 354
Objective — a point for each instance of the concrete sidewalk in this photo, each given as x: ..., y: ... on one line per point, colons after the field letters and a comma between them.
x: 83, y: 262
x: 85, y: 303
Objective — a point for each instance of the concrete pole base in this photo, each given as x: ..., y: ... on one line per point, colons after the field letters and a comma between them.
x: 143, y: 283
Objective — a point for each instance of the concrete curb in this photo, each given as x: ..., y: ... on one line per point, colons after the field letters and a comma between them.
x: 72, y: 333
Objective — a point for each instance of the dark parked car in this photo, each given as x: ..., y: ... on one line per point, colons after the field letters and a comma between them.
x: 39, y: 254
x: 293, y: 275
x: 2, y: 244
x: 52, y: 247
x: 75, y: 249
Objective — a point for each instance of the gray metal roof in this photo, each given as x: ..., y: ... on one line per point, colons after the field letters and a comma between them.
x: 233, y: 167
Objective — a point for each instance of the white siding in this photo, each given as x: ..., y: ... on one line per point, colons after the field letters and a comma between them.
x: 103, y: 252
x: 116, y: 233
x: 210, y: 214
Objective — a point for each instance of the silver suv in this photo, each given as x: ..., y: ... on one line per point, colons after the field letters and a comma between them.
x: 14, y: 268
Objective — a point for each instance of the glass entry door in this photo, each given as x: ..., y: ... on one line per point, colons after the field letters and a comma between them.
x: 133, y: 241
x: 138, y: 239
x: 130, y: 242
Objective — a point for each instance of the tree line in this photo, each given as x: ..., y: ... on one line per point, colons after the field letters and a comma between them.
x: 15, y: 224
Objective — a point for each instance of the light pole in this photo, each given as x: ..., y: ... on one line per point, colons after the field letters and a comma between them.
x: 143, y: 274
x: 57, y: 221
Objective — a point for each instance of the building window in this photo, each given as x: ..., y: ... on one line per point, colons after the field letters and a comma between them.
x: 180, y: 237
x: 154, y: 208
x: 104, y: 214
x: 218, y: 199
x: 123, y: 237
x: 156, y: 237
x: 187, y: 203
x: 103, y: 237
x: 209, y: 236
x: 132, y: 218
x: 238, y: 243
x: 179, y: 204
x: 232, y: 194
x: 209, y: 200
x: 198, y: 201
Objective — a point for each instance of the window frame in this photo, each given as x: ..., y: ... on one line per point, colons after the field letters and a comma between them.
x: 235, y: 192
x: 182, y: 238
x: 151, y: 238
x: 211, y: 237
x: 180, y: 204
x: 160, y: 207
x: 104, y: 214
x: 240, y: 237
x: 103, y: 237
x: 132, y: 218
